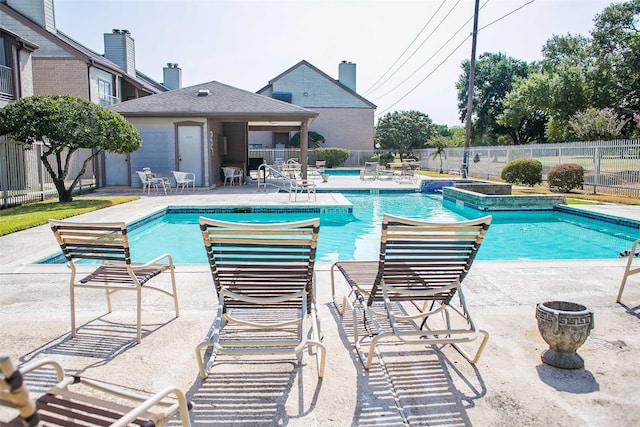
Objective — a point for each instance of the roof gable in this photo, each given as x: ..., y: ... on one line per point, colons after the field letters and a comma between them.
x: 60, y: 42
x: 292, y: 71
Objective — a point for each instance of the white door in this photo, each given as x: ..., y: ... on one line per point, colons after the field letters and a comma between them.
x: 117, y: 169
x: 190, y: 150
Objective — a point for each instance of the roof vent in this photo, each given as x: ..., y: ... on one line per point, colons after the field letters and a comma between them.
x: 203, y: 92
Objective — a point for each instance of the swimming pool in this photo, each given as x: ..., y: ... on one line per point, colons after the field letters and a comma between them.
x: 347, y: 236
x: 342, y: 172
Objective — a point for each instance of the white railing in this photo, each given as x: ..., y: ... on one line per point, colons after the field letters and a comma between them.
x: 7, y: 90
x: 611, y: 167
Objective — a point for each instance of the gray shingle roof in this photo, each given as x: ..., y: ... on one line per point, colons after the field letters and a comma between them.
x: 222, y: 101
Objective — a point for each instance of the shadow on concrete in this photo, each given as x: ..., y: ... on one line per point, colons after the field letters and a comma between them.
x: 411, y: 385
x: 252, y: 391
x: 634, y: 311
x: 100, y: 340
x: 570, y: 380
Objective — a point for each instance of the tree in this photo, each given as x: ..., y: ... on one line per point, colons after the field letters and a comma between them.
x: 440, y: 143
x: 403, y: 131
x: 494, y: 77
x: 616, y: 49
x: 65, y: 124
x: 314, y: 139
x: 593, y: 124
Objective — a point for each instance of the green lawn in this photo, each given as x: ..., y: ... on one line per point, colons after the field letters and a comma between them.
x: 34, y: 214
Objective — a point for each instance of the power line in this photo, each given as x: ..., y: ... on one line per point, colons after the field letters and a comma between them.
x: 426, y: 77
x: 504, y: 16
x: 448, y: 56
x: 407, y: 48
x: 372, y: 89
x: 427, y: 61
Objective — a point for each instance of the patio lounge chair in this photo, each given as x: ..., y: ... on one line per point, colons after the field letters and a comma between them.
x: 414, y: 292
x: 264, y: 279
x: 184, y: 179
x: 109, y: 244
x: 370, y: 171
x: 69, y: 402
x: 629, y: 269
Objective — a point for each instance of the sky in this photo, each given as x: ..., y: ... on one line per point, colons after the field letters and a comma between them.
x: 246, y: 43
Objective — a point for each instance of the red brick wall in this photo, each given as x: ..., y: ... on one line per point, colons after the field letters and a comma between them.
x: 60, y: 76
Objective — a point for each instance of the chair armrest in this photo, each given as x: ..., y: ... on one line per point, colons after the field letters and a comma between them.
x: 181, y: 406
x: 154, y: 261
x: 36, y: 364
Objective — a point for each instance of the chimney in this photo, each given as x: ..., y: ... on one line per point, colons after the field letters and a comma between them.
x: 347, y: 74
x: 119, y: 47
x: 39, y: 11
x: 172, y: 76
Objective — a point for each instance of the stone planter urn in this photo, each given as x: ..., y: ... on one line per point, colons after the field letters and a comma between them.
x: 565, y: 326
x: 325, y: 177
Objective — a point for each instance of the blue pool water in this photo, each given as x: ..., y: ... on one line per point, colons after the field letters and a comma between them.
x: 342, y: 172
x: 511, y: 236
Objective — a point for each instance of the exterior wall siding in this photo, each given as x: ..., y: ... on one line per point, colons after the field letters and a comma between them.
x: 350, y: 128
x: 158, y: 150
x: 26, y: 74
x: 46, y: 48
x: 320, y: 91
x: 66, y: 76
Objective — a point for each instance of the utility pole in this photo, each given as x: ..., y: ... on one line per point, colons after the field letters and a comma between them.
x: 472, y: 76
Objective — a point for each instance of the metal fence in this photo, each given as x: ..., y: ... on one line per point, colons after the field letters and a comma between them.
x: 611, y: 167
x: 23, y: 177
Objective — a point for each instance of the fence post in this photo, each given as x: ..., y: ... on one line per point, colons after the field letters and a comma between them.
x: 596, y: 168
x: 40, y: 173
x: 4, y: 162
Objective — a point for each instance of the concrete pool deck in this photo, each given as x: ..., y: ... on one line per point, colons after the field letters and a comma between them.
x: 405, y: 386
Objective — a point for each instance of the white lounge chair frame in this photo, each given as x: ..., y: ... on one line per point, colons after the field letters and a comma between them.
x: 417, y: 280
x: 62, y: 405
x: 629, y: 269
x: 266, y: 269
x: 370, y: 171
x: 109, y: 244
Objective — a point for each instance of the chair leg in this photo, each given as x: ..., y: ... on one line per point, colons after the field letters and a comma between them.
x: 473, y: 360
x: 73, y: 311
x: 175, y: 291
x: 139, y: 314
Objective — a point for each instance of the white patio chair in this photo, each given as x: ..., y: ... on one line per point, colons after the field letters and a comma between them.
x: 184, y: 179
x: 232, y: 174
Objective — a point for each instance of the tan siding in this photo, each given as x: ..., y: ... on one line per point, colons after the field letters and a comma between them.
x: 60, y: 76
x: 350, y: 128
x: 320, y: 92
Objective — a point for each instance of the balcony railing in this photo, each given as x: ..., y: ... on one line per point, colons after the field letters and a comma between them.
x: 106, y: 100
x: 7, y: 90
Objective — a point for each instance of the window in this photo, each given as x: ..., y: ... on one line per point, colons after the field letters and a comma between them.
x: 105, y: 94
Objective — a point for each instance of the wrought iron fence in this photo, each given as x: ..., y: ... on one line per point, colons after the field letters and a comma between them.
x: 23, y: 177
x: 611, y: 167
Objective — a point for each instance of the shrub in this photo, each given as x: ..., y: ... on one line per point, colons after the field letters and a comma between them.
x: 386, y: 158
x: 566, y: 177
x: 333, y: 156
x: 523, y: 171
